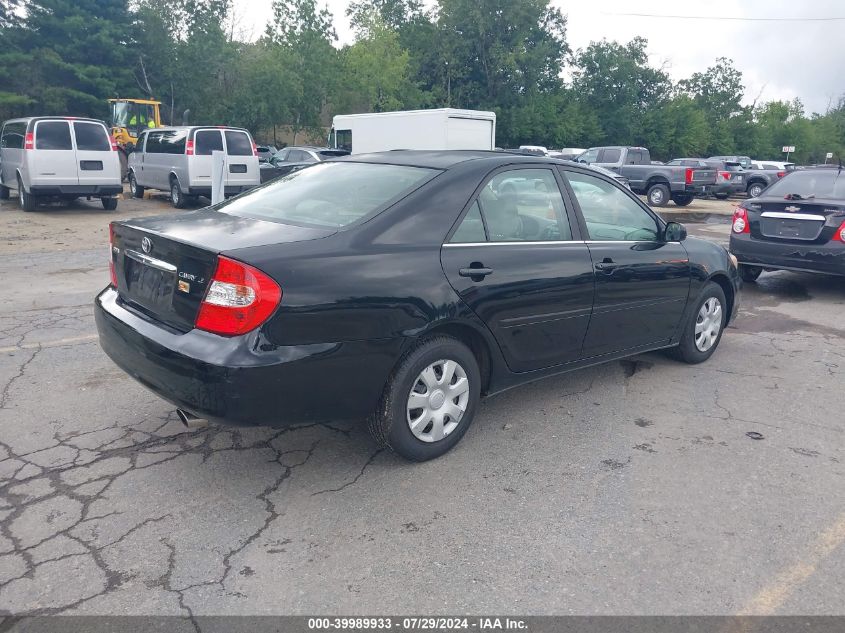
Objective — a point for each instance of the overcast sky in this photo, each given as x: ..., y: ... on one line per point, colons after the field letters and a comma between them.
x: 783, y: 59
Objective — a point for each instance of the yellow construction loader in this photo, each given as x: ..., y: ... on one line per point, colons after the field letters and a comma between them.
x: 130, y: 117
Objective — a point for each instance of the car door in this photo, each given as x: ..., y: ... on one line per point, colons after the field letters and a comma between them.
x: 515, y: 261
x: 642, y: 281
x: 96, y: 163
x: 200, y: 165
x: 54, y: 160
x: 242, y: 164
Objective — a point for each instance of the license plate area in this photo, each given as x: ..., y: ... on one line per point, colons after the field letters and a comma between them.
x: 790, y: 229
x: 237, y: 169
x: 91, y: 165
x: 151, y: 288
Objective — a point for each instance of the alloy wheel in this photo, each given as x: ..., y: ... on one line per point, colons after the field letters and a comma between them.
x: 708, y: 323
x: 438, y: 400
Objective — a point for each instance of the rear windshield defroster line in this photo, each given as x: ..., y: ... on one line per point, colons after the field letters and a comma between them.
x: 330, y: 195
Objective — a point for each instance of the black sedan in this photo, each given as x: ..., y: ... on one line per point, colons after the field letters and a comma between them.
x: 401, y: 287
x: 798, y: 223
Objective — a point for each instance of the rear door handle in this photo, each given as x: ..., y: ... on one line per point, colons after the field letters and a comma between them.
x: 606, y: 265
x: 475, y: 272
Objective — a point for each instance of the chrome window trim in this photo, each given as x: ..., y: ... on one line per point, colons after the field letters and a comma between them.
x: 514, y: 242
x: 151, y: 261
x: 792, y: 216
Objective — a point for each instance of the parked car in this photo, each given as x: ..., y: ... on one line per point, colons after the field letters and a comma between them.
x: 659, y: 183
x: 759, y: 176
x: 567, y: 153
x: 401, y: 287
x: 265, y: 153
x: 772, y: 164
x: 290, y: 159
x: 179, y: 160
x: 536, y: 150
x: 744, y: 161
x: 58, y: 158
x: 798, y: 223
x: 612, y: 174
x: 729, y: 177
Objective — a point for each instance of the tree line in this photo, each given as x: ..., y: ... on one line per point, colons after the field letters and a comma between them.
x: 69, y: 56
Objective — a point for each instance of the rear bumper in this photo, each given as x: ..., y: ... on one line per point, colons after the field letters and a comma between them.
x: 246, y: 380
x: 228, y: 190
x: 727, y: 188
x: 822, y: 258
x: 75, y: 190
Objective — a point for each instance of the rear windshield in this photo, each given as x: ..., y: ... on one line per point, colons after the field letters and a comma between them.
x: 52, y: 135
x: 329, y: 194
x: 91, y: 137
x: 810, y: 183
x: 238, y: 143
x: 207, y: 141
x: 733, y: 167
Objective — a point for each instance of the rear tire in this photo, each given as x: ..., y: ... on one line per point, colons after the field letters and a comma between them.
x: 658, y: 195
x: 448, y: 399
x: 27, y: 200
x: 177, y: 198
x: 109, y: 204
x: 135, y: 189
x: 703, y: 330
x: 721, y: 196
x: 682, y: 200
x: 749, y: 274
x: 4, y: 193
x: 755, y: 189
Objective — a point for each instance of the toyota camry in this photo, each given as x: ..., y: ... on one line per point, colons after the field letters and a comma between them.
x: 400, y: 288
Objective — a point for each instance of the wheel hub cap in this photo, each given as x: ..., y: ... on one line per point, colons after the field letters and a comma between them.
x: 708, y: 324
x: 438, y: 400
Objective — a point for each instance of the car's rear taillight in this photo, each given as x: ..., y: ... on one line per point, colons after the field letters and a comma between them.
x: 689, y: 174
x: 781, y: 174
x: 238, y: 300
x: 28, y: 141
x: 113, y: 142
x: 254, y: 149
x: 740, y: 221
x: 839, y: 235
x: 189, y: 148
x: 112, y: 272
x: 726, y: 175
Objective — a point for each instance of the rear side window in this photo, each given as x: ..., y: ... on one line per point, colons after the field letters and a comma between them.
x: 173, y: 142
x: 13, y: 135
x: 238, y: 143
x: 329, y: 194
x: 91, y: 137
x: 471, y: 229
x: 53, y: 135
x: 207, y: 141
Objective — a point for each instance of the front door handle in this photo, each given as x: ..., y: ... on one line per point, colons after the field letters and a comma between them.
x: 480, y: 272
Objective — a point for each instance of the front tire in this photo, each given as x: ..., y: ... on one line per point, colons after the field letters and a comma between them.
x: 658, y: 195
x: 176, y: 196
x: 135, y: 189
x: 429, y: 401
x: 27, y: 200
x: 703, y: 331
x: 755, y: 189
x: 721, y: 196
x: 749, y: 274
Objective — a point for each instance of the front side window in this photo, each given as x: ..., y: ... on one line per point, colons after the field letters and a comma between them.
x: 524, y: 205
x: 91, y: 137
x: 238, y: 143
x: 343, y: 140
x: 611, y: 155
x: 609, y: 212
x: 154, y: 143
x: 329, y: 195
x: 53, y: 135
x: 207, y: 141
x: 590, y: 156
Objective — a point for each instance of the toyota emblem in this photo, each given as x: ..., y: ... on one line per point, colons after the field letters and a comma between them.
x: 146, y: 245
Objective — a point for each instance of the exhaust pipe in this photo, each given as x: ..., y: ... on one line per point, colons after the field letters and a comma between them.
x: 190, y: 420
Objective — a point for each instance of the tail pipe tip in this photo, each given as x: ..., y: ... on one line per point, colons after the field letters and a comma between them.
x: 190, y: 420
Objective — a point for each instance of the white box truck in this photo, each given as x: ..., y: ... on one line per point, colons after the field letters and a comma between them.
x: 444, y: 128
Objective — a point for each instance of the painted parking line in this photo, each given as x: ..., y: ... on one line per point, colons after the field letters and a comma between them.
x: 73, y: 340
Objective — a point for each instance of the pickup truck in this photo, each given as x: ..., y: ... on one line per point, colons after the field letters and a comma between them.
x: 659, y: 183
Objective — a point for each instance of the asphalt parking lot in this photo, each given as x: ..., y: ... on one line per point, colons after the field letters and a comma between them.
x: 629, y: 488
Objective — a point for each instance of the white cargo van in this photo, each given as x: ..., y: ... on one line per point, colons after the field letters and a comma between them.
x: 445, y: 128
x: 58, y: 157
x: 178, y: 160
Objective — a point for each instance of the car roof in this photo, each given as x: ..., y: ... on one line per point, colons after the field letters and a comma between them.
x: 30, y: 119
x: 446, y: 159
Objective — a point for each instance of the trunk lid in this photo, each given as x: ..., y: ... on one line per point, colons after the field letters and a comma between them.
x: 799, y: 221
x: 164, y: 264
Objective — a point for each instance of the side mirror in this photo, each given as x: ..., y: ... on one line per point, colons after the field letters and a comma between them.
x: 675, y: 232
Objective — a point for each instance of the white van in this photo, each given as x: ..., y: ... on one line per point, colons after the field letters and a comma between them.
x: 178, y: 160
x: 443, y: 128
x: 58, y: 157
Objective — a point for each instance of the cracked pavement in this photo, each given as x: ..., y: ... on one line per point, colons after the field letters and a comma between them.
x: 628, y: 488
